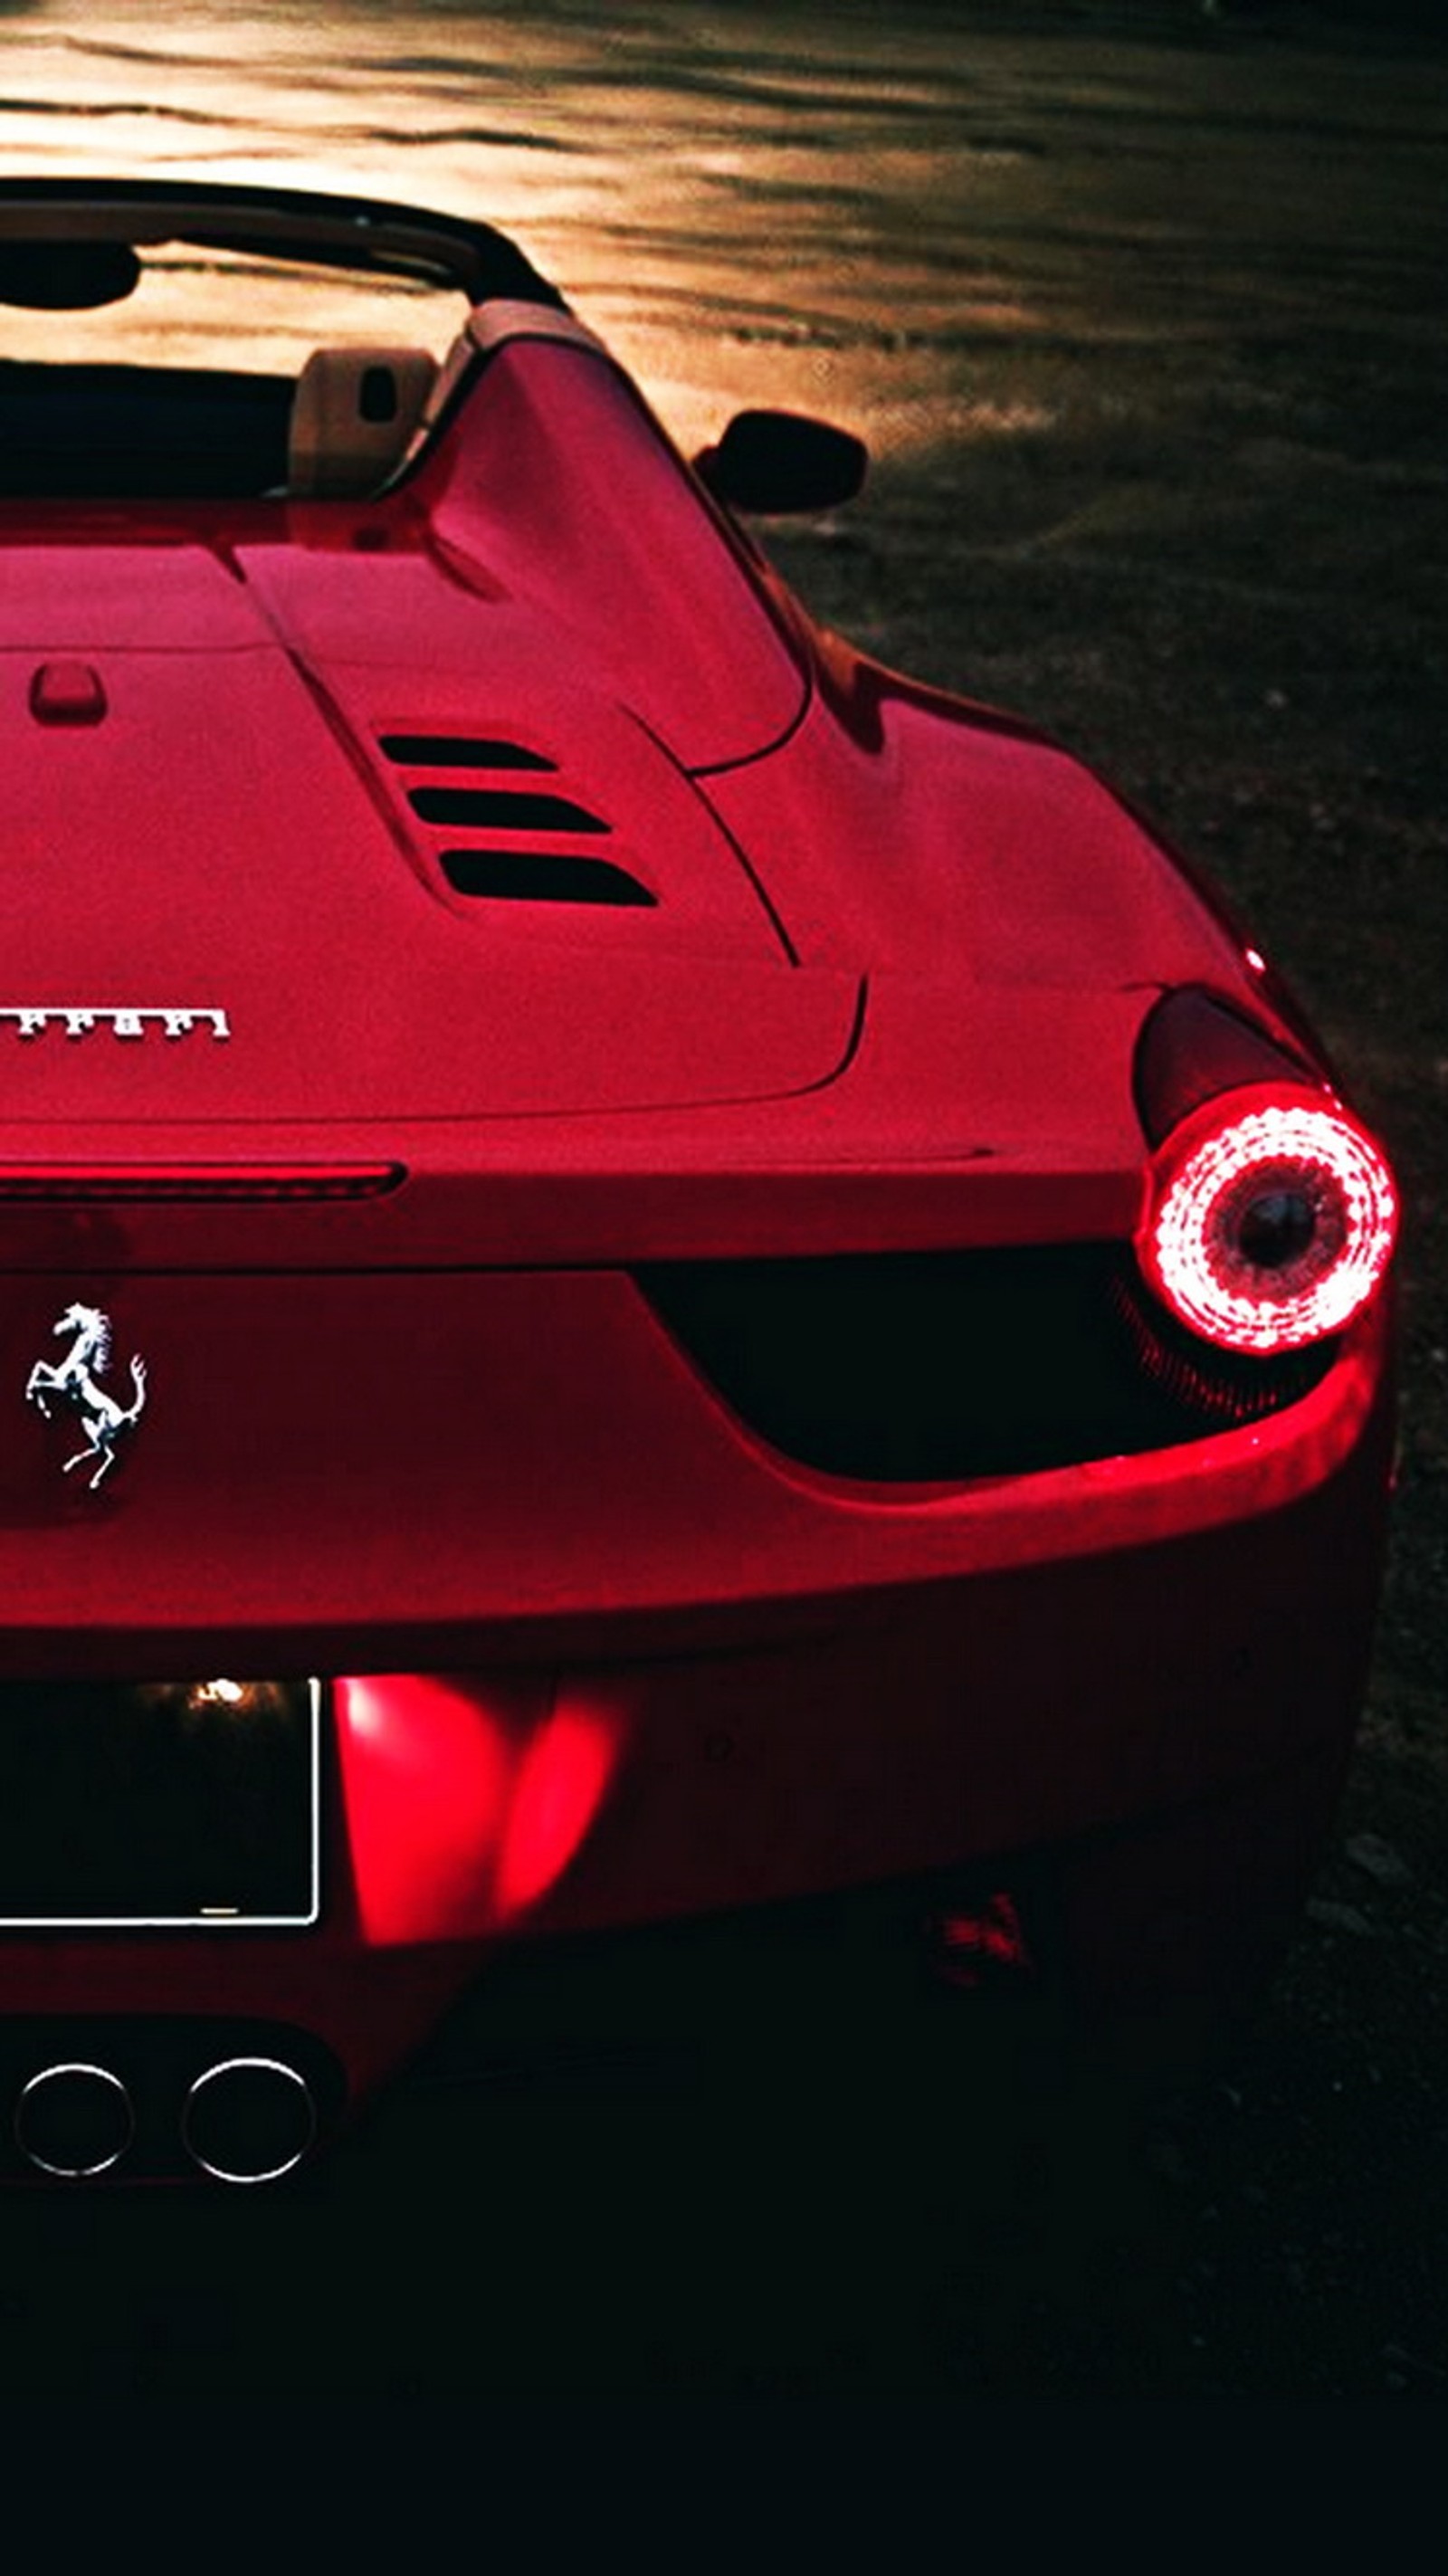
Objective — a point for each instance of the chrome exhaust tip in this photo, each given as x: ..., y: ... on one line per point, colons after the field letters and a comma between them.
x: 248, y: 2119
x: 74, y: 2121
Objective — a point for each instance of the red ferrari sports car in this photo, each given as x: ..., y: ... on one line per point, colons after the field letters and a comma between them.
x: 659, y: 1286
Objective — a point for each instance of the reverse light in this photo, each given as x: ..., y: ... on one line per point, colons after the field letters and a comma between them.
x: 1270, y: 1221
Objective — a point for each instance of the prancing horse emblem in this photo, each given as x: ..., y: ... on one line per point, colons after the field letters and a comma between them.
x: 104, y: 1422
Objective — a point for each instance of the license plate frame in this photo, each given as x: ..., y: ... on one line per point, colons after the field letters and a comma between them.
x: 167, y: 1806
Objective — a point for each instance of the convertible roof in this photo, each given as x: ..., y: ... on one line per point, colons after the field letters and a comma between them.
x: 286, y: 223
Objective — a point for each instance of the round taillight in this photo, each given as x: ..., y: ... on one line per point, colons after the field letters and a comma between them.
x: 1270, y: 1220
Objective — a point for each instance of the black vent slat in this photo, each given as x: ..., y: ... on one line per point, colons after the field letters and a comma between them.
x: 918, y: 1367
x: 541, y: 876
x: 502, y: 809
x: 448, y: 751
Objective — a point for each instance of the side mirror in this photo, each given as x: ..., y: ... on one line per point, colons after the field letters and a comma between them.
x: 778, y: 461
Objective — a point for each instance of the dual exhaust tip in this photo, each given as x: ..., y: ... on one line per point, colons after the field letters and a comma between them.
x: 244, y: 2120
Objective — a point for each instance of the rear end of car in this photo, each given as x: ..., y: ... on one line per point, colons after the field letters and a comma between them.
x: 500, y: 1570
x: 694, y: 1360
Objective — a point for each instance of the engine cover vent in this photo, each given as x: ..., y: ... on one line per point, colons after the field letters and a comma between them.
x: 500, y: 867
x: 541, y: 876
x: 447, y: 751
x: 501, y: 809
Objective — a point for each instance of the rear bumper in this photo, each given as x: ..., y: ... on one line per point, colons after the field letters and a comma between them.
x: 1131, y: 1686
x: 464, y: 1472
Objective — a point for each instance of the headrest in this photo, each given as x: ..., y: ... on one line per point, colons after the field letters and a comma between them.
x: 353, y: 414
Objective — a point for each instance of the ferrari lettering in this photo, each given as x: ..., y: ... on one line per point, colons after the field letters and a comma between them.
x: 81, y: 1019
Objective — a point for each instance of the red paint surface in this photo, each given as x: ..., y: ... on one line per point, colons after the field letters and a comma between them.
x: 464, y: 1801
x: 559, y: 1788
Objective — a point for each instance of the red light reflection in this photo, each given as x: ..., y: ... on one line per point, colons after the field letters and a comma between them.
x: 464, y: 1802
x: 973, y: 1949
x: 560, y: 1784
x: 425, y: 1780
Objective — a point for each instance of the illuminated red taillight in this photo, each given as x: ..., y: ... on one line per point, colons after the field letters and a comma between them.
x: 1270, y: 1219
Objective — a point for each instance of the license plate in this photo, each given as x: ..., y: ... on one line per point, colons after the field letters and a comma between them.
x: 159, y: 1804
